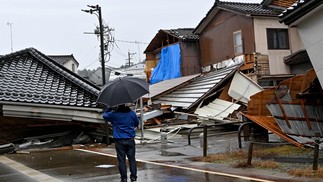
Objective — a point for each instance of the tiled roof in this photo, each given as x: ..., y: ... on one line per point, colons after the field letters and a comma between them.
x: 162, y: 39
x: 30, y: 76
x: 183, y: 33
x: 253, y: 9
x: 278, y: 3
x: 246, y: 9
x: 62, y: 59
x: 297, y: 10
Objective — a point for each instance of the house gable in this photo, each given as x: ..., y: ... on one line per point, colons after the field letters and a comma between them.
x: 225, y: 24
x: 245, y: 9
x: 188, y: 51
x: 166, y: 37
x: 66, y: 60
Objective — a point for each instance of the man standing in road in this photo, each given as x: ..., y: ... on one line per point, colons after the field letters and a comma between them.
x: 124, y: 121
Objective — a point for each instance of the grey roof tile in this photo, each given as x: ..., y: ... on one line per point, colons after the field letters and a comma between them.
x: 246, y: 9
x: 183, y: 33
x: 30, y: 76
x: 254, y: 9
x: 297, y: 10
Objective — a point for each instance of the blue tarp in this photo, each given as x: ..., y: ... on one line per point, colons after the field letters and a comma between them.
x: 169, y: 65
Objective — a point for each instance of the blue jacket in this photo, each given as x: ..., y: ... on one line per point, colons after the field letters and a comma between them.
x: 123, y: 123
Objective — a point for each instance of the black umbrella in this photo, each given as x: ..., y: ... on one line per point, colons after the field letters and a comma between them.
x: 122, y: 90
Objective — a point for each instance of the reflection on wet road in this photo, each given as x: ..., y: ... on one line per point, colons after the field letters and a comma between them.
x: 84, y: 165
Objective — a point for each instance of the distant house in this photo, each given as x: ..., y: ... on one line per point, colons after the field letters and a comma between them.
x: 171, y: 54
x: 68, y: 61
x: 136, y: 70
x: 95, y: 76
x: 39, y: 96
x: 250, y: 30
x: 306, y: 17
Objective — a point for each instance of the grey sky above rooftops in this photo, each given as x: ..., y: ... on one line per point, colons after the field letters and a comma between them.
x: 57, y: 27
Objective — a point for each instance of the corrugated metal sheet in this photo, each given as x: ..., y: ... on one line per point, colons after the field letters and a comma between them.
x: 197, y: 90
x: 163, y: 86
x: 294, y: 117
x: 217, y: 109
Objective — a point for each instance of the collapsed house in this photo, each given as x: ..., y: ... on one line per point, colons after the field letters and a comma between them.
x: 292, y: 110
x: 216, y: 96
x: 40, y: 97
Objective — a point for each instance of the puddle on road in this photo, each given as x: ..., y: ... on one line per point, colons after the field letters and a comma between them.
x: 105, y: 166
x: 167, y: 153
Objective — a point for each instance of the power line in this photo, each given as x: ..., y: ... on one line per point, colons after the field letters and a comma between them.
x: 132, y: 42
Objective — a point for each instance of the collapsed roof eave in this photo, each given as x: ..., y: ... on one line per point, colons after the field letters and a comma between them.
x: 215, y: 88
x: 269, y: 124
x: 167, y: 86
x: 51, y: 112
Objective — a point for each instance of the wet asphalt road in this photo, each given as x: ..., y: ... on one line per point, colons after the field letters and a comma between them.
x: 81, y: 165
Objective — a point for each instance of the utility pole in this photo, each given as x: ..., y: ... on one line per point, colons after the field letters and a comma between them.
x: 102, y: 44
x: 130, y: 57
x: 133, y: 42
x: 99, y: 15
x: 91, y: 11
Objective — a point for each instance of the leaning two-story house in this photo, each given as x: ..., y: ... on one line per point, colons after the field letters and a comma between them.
x: 252, y: 32
x: 306, y: 18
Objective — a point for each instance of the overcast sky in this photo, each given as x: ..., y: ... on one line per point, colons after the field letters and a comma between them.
x: 58, y: 27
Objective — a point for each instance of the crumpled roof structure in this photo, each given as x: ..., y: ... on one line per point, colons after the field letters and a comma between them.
x: 292, y: 110
x: 191, y: 94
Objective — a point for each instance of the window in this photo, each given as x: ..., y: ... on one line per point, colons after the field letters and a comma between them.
x: 277, y: 38
x: 73, y: 68
x: 237, y: 42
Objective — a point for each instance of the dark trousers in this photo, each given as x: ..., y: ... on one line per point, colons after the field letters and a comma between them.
x: 126, y: 147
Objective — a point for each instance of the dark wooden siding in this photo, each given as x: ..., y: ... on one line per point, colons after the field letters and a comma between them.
x: 216, y: 40
x: 190, y: 58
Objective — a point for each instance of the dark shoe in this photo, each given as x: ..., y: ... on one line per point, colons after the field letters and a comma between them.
x: 123, y: 180
x: 133, y: 179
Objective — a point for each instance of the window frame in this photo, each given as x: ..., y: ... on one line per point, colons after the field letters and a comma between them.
x: 237, y: 48
x: 73, y: 68
x: 275, y: 41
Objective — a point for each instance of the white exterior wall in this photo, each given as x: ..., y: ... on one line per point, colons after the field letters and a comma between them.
x: 68, y: 65
x: 137, y: 70
x: 311, y: 31
x: 295, y: 40
x: 276, y: 63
